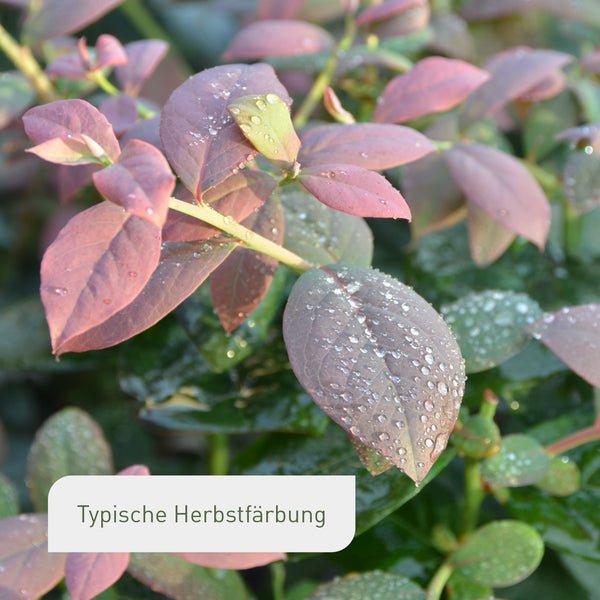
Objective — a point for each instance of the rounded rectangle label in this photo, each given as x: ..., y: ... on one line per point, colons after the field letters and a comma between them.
x: 164, y: 513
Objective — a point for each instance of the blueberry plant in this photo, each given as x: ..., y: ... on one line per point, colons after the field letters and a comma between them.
x: 206, y: 251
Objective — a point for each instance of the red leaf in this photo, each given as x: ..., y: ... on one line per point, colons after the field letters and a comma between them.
x: 433, y: 85
x: 502, y: 187
x: 140, y: 181
x: 142, y: 58
x: 121, y: 111
x: 53, y: 18
x: 236, y: 197
x: 573, y: 334
x: 241, y: 282
x: 68, y: 65
x: 387, y: 9
x: 28, y: 569
x: 392, y: 18
x: 514, y: 72
x: 278, y: 38
x: 146, y: 130
x: 547, y: 88
x: 355, y: 191
x: 96, y: 266
x: 201, y: 140
x: 68, y: 120
x: 487, y: 238
x: 87, y: 574
x: 72, y: 179
x: 275, y: 9
x: 231, y: 560
x: 109, y: 52
x: 182, y: 268
x: 135, y: 470
x: 367, y: 145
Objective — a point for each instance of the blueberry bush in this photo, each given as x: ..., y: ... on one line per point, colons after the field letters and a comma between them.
x: 301, y: 238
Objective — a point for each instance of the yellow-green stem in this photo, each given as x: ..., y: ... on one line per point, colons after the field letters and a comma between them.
x: 474, y: 495
x: 219, y: 454
x: 24, y: 60
x: 246, y: 236
x: 438, y: 581
x: 278, y: 580
x: 109, y: 88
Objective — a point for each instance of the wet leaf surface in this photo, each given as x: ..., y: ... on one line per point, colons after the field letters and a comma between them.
x: 581, y: 181
x: 378, y: 359
x: 562, y: 478
x: 489, y: 326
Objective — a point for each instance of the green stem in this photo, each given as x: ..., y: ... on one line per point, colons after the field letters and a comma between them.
x: 474, y: 495
x: 246, y: 236
x: 24, y: 60
x: 105, y: 85
x: 219, y: 454
x: 278, y: 580
x: 583, y: 436
x: 324, y: 79
x: 438, y: 581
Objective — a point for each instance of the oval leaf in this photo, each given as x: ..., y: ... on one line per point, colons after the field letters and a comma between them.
x: 489, y: 326
x: 563, y: 478
x: 386, y: 9
x: 278, y: 37
x: 201, y: 140
x: 499, y: 184
x: 231, y: 560
x: 320, y: 234
x: 140, y: 181
x: 434, y: 84
x: 500, y: 553
x: 68, y: 443
x: 355, y: 191
x: 27, y: 569
x: 581, y: 181
x: 9, y: 498
x: 378, y: 359
x: 521, y: 461
x: 377, y: 585
x: 265, y: 121
x: 95, y: 268
x: 487, y: 238
x: 87, y: 574
x: 142, y: 58
x: 369, y: 145
x: 573, y: 334
x: 122, y: 113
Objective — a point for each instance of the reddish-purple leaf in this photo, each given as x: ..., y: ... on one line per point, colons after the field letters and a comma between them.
x: 501, y: 186
x: 182, y: 268
x: 354, y: 190
x: 27, y: 570
x: 231, y: 560
x: 547, y: 88
x: 94, y: 268
x: 87, y: 574
x: 435, y: 201
x: 135, y: 470
x: 236, y: 197
x: 386, y: 10
x: 278, y: 38
x: 53, y: 18
x: 482, y: 10
x: 451, y: 36
x: 71, y: 120
x: 121, y: 111
x: 366, y: 145
x: 68, y: 65
x: 573, y: 334
x: 434, y: 84
x: 109, y: 52
x: 334, y: 107
x: 405, y: 17
x: 275, y: 9
x: 70, y: 179
x: 589, y: 133
x: 142, y: 58
x: 66, y: 151
x: 140, y: 181
x: 514, y: 73
x: 201, y: 140
x: 241, y: 282
x: 488, y: 239
x: 402, y: 391
x: 146, y: 130
x: 591, y: 62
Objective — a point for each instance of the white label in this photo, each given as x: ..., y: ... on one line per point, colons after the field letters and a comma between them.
x: 157, y: 513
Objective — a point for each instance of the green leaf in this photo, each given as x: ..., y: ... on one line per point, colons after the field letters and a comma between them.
x: 332, y: 454
x: 500, y: 553
x: 489, y: 326
x: 9, y: 499
x: 16, y: 94
x: 581, y: 180
x: 466, y: 589
x: 181, y: 580
x: 479, y: 437
x: 521, y: 461
x: 265, y: 120
x: 68, y: 443
x: 562, y: 478
x: 321, y: 234
x: 376, y: 585
x: 374, y: 462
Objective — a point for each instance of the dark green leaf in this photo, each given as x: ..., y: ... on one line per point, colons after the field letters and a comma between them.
x: 479, y: 437
x: 462, y: 588
x: 581, y: 180
x: 9, y: 500
x: 562, y: 479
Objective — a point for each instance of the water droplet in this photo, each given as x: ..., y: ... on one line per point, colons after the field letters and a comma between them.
x: 442, y: 388
x: 383, y: 436
x: 260, y: 104
x: 273, y: 98
x: 61, y: 291
x: 381, y: 418
x: 230, y: 354
x: 401, y: 451
x: 212, y: 131
x: 255, y: 119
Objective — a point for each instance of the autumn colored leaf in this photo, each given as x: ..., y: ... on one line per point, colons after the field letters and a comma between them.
x: 236, y: 197
x: 140, y: 181
x: 367, y: 145
x: 240, y: 283
x: 386, y: 9
x: 135, y: 470
x: 434, y: 84
x: 121, y: 112
x: 182, y: 268
x: 275, y: 9
x: 231, y: 560
x: 71, y: 179
x: 87, y: 574
x: 202, y: 141
x: 378, y: 359
x: 392, y: 18
x: 573, y: 334
x: 95, y: 268
x: 355, y: 191
x: 498, y: 184
x: 277, y: 37
x: 27, y: 570
x: 142, y: 59
x: 488, y: 239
